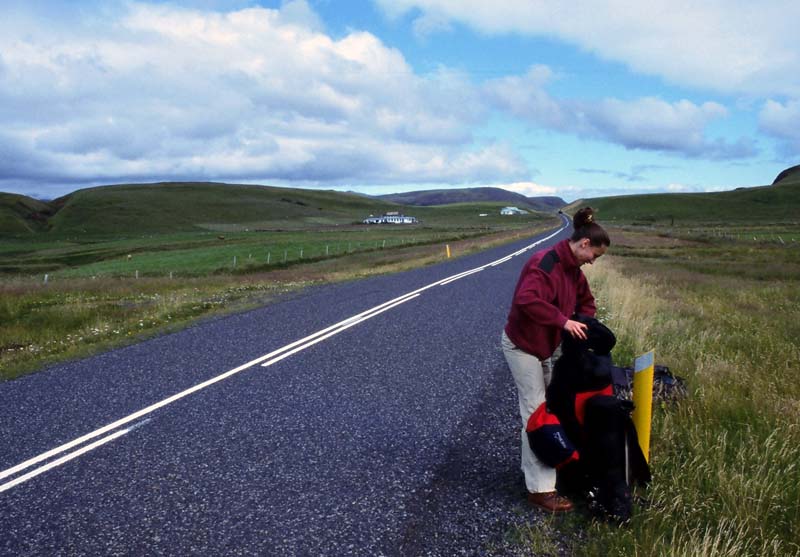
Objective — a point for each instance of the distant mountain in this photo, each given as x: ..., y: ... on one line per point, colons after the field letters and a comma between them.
x: 471, y: 195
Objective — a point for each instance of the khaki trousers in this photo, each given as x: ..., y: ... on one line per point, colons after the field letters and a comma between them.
x: 531, y: 377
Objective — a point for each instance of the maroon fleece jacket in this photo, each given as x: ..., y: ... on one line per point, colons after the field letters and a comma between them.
x: 551, y: 289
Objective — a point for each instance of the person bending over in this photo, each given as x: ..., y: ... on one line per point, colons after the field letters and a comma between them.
x: 550, y: 291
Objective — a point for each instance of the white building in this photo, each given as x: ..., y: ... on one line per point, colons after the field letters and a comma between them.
x: 390, y: 218
x: 512, y: 211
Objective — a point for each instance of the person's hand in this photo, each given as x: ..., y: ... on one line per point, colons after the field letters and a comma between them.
x: 576, y: 329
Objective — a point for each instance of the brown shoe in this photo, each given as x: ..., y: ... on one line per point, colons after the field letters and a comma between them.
x: 550, y: 501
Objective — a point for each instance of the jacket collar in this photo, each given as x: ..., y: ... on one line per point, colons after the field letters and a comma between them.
x: 566, y: 256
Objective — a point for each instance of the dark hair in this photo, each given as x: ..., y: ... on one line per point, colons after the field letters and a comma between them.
x: 585, y: 227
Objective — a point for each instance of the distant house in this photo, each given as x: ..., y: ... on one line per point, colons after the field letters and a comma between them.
x: 392, y: 217
x: 512, y: 211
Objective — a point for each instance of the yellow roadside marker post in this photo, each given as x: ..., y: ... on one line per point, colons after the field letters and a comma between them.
x: 448, y: 250
x: 643, y: 400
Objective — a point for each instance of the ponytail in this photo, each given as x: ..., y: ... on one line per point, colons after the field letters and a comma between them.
x: 585, y: 227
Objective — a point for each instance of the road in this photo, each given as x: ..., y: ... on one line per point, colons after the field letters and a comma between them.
x: 375, y: 417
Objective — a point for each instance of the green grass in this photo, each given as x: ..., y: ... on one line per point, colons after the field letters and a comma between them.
x: 744, y: 206
x: 46, y: 324
x: 18, y: 215
x: 192, y: 229
x: 202, y: 253
x: 135, y: 210
x: 175, y: 207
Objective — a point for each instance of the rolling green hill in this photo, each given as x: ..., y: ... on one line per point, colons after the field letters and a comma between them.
x: 788, y: 176
x: 177, y: 207
x: 149, y: 228
x: 165, y: 208
x: 774, y: 204
x: 184, y: 207
x: 21, y: 215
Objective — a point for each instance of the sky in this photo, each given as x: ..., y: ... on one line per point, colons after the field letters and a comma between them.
x: 573, y: 99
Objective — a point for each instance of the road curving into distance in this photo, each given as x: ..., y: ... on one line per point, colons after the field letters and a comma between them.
x: 374, y: 417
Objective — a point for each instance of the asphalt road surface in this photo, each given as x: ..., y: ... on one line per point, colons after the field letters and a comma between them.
x: 375, y: 417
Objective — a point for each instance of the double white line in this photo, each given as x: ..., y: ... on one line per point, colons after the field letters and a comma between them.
x: 266, y: 360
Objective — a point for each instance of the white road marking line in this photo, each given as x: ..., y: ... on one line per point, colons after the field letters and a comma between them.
x: 336, y: 332
x: 459, y: 275
x: 346, y: 324
x: 182, y: 394
x: 499, y: 261
x: 462, y: 275
x: 273, y: 357
x: 62, y: 460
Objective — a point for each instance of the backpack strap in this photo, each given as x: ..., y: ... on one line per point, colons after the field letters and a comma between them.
x: 548, y: 262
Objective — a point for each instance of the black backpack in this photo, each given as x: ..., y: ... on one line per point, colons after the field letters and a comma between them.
x: 599, y: 424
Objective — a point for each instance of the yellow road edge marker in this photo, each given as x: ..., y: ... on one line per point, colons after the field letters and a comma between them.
x: 643, y: 399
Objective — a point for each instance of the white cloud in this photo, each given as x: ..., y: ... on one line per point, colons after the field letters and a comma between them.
x: 782, y: 120
x: 685, y: 188
x: 647, y: 123
x: 139, y: 91
x: 654, y: 124
x: 300, y: 13
x: 169, y: 93
x: 679, y: 188
x: 431, y: 23
x: 530, y: 189
x: 526, y: 97
x: 736, y: 46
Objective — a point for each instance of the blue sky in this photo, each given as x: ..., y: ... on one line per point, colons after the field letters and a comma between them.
x: 574, y: 99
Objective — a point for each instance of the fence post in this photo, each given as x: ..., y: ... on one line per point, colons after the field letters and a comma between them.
x: 643, y: 399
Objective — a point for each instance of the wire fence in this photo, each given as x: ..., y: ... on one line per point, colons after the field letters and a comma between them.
x: 234, y: 258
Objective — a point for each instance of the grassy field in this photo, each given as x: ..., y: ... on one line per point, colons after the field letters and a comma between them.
x: 202, y: 253
x: 771, y: 206
x: 726, y: 460
x: 98, y: 304
x: 191, y: 230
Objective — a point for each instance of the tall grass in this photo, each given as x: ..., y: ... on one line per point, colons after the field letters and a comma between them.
x: 725, y: 460
x: 49, y: 323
